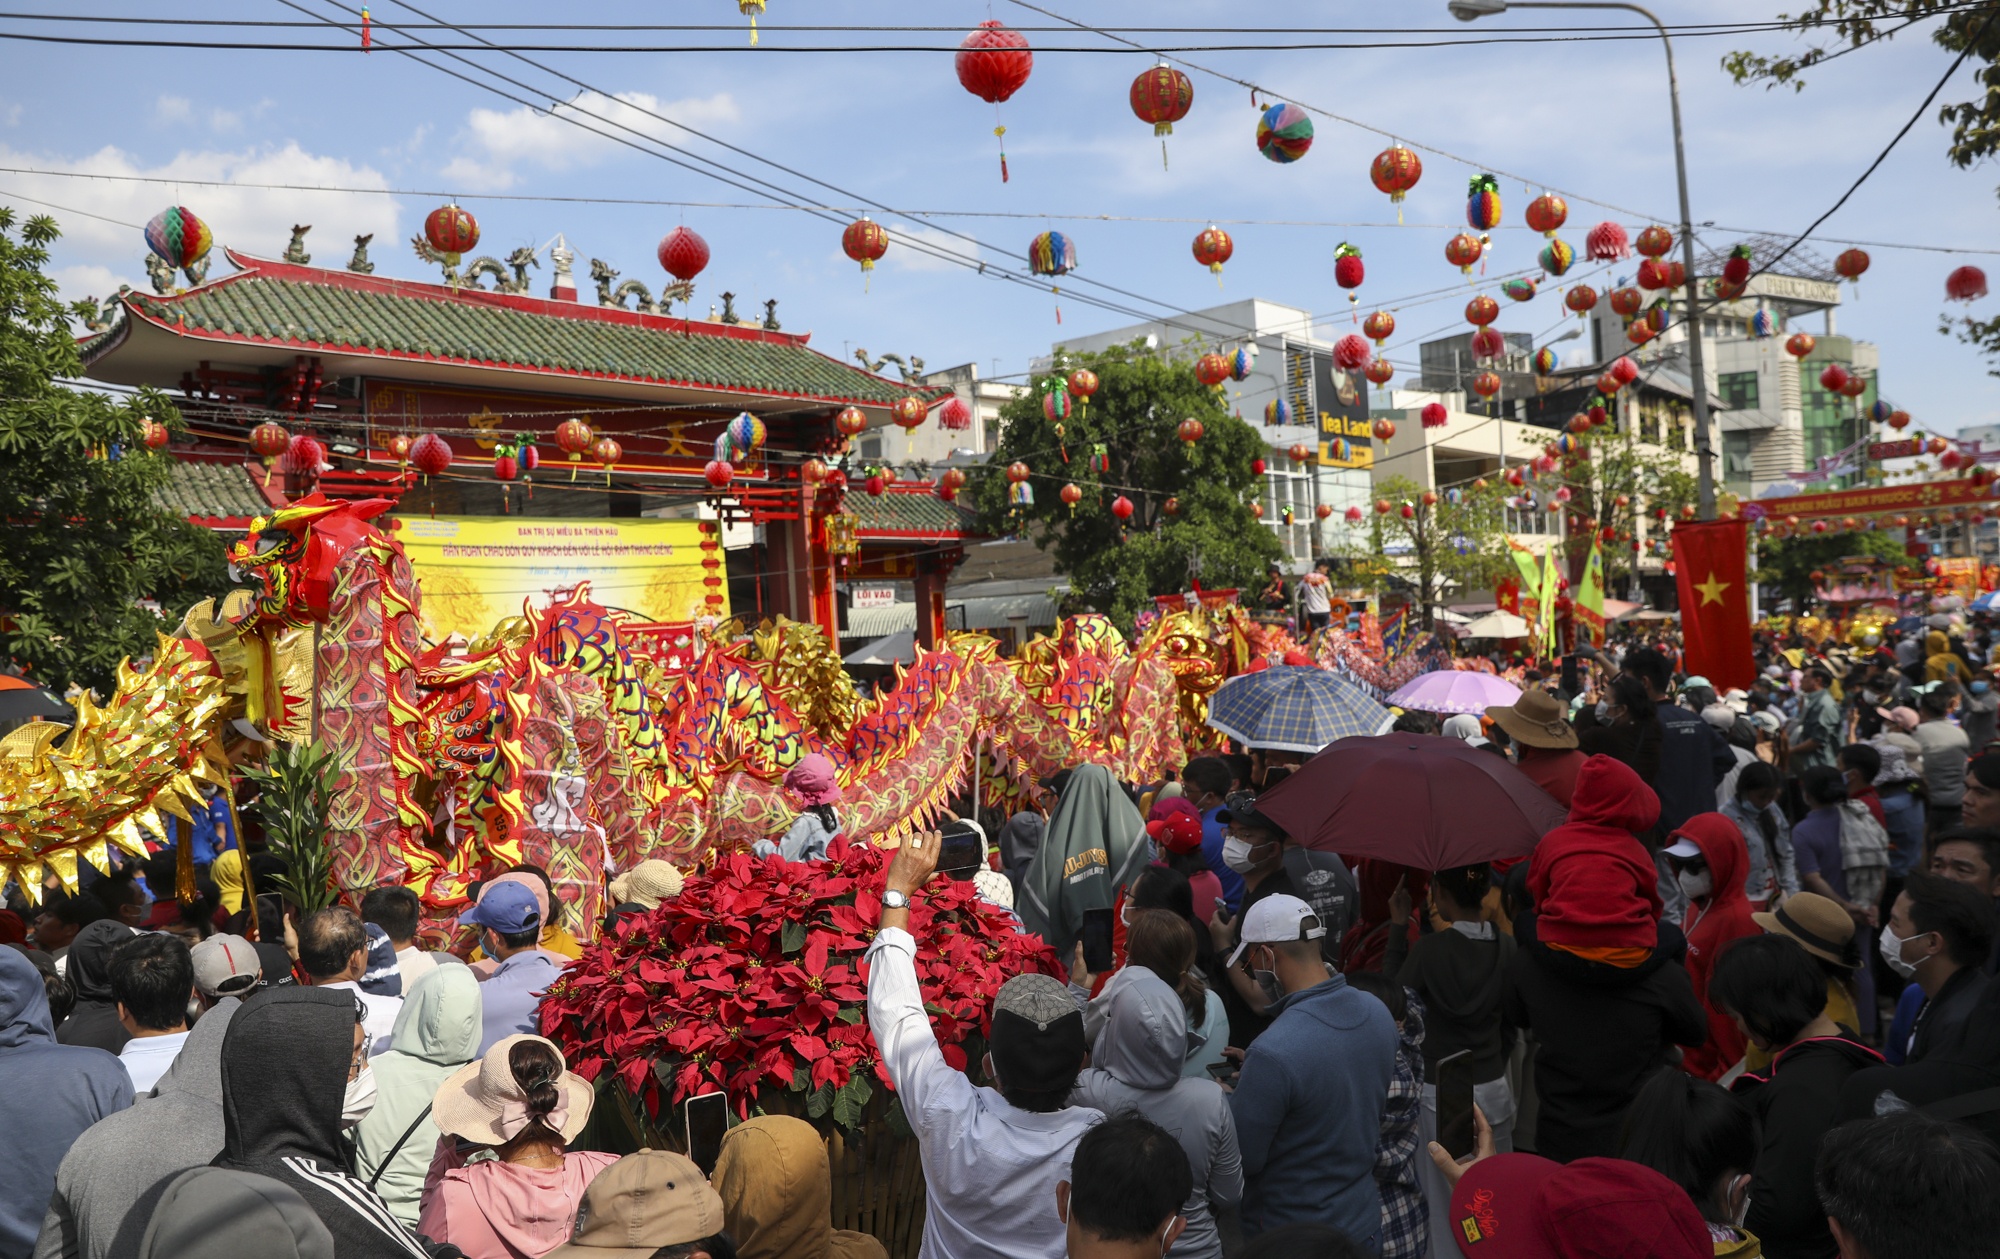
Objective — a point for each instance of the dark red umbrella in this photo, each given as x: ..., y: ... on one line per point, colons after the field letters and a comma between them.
x: 1415, y: 799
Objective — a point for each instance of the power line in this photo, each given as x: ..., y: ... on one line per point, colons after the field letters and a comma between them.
x: 1036, y: 215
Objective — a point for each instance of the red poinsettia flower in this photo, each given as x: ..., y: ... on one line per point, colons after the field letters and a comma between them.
x: 753, y: 978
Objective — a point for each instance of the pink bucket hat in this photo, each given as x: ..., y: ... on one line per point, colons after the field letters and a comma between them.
x: 813, y: 780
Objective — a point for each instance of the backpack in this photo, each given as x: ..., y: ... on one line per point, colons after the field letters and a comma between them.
x: 1864, y: 853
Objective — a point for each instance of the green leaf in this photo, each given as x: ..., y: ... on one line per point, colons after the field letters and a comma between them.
x: 820, y: 1102
x: 850, y: 1014
x: 793, y: 938
x: 899, y: 1123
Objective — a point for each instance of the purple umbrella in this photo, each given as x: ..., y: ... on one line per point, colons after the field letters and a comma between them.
x: 1456, y: 691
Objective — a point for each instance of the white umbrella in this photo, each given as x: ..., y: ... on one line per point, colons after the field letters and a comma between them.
x: 1497, y: 625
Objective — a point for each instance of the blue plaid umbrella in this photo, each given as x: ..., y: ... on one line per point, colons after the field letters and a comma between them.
x: 1292, y: 708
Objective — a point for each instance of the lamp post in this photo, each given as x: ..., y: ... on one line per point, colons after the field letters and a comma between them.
x: 1472, y: 10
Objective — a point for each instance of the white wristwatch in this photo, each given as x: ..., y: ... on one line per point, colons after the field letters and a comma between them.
x: 892, y: 899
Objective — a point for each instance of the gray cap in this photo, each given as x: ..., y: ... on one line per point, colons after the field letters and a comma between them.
x: 226, y: 965
x: 1037, y: 1042
x: 1039, y: 999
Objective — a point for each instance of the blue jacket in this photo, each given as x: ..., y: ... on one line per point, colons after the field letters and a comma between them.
x: 1213, y: 833
x: 213, y: 832
x: 1904, y: 814
x: 1308, y: 1111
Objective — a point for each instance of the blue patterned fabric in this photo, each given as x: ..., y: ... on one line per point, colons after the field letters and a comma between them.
x: 1293, y: 708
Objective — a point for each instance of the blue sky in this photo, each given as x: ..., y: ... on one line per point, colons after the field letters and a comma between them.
x: 1588, y: 119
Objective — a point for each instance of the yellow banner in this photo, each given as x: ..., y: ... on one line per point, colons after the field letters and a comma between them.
x: 477, y: 570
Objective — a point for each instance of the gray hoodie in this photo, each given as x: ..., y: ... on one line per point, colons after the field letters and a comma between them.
x: 437, y: 1032
x: 113, y: 1176
x: 1136, y: 1066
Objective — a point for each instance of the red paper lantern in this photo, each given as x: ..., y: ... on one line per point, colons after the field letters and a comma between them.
x: 1379, y: 327
x: 1851, y: 263
x: 1350, y: 353
x: 269, y: 440
x: 608, y: 453
x: 1162, y: 96
x: 1899, y: 420
x: 430, y: 454
x: 1675, y: 273
x: 1948, y: 460
x: 1966, y: 284
x: 1482, y: 310
x: 1121, y: 507
x: 1833, y: 378
x: 1354, y: 515
x: 1462, y: 251
x: 851, y: 422
x: 451, y: 231
x: 1819, y: 526
x: 1070, y: 494
x: 305, y: 456
x: 1581, y: 298
x: 1430, y: 498
x: 155, y: 433
x: 1348, y: 269
x: 530, y: 457
x: 1171, y: 507
x: 1380, y: 371
x: 1597, y: 416
x: 505, y: 466
x: 1626, y: 302
x: 399, y: 447
x: 1017, y: 472
x: 719, y: 473
x: 1395, y: 171
x: 1257, y: 467
x: 1579, y: 423
x: 1408, y: 510
x: 1212, y: 248
x: 1653, y: 275
x: 954, y: 416
x: 1257, y: 510
x: 1736, y: 272
x: 813, y: 471
x: 1855, y: 385
x: 1324, y: 511
x: 1084, y: 383
x: 1607, y: 243
x: 683, y: 254
x: 994, y: 61
x: 1654, y: 241
x: 1800, y: 344
x: 909, y: 411
x: 1488, y: 344
x: 865, y: 241
x: 1384, y: 430
x: 1300, y: 452
x: 1190, y: 430
x: 1608, y: 384
x: 876, y: 484
x: 1546, y: 213
x: 1382, y: 506
x: 1211, y: 369
x: 1434, y: 415
x: 1486, y: 384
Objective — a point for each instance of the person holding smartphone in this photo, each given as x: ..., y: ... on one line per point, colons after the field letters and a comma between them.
x: 992, y: 1157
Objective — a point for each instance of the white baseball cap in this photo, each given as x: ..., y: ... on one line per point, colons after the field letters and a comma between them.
x: 1278, y: 919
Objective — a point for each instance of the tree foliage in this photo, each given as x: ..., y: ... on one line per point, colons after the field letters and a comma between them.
x: 292, y: 804
x: 1457, y: 538
x: 1131, y: 424
x: 1613, y: 489
x: 1839, y: 27
x: 1789, y: 563
x: 84, y: 541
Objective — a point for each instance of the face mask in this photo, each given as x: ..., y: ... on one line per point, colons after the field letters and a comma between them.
x: 1891, y: 948
x: 1603, y: 711
x: 1236, y: 855
x: 359, y: 1098
x: 1696, y: 886
x: 1980, y: 688
x: 1267, y: 983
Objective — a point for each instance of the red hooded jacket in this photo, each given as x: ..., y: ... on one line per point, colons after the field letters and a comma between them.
x: 1594, y: 883
x: 1711, y: 925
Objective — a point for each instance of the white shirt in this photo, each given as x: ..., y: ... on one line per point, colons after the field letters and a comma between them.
x: 1313, y: 589
x: 990, y: 1170
x: 415, y: 964
x: 380, y: 1020
x: 147, y: 1058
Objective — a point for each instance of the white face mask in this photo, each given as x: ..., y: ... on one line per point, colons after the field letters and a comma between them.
x: 1236, y: 855
x: 359, y: 1098
x: 1696, y: 886
x: 1891, y: 947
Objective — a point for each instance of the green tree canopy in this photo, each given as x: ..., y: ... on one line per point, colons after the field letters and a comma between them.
x: 84, y: 541
x: 1457, y: 538
x: 1125, y: 443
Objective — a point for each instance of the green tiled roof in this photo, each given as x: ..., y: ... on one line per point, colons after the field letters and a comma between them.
x: 210, y: 489
x: 907, y: 513
x: 339, y: 312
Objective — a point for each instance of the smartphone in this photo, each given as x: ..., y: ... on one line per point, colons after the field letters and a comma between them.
x: 707, y: 1118
x: 961, y: 851
x: 1224, y: 1072
x: 1454, y: 1087
x: 1097, y: 955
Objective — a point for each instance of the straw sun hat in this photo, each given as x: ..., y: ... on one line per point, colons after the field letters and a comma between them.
x: 648, y: 883
x: 481, y: 1102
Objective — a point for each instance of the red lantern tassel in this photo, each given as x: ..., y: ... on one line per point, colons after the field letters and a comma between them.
x: 367, y: 35
x: 1001, y: 133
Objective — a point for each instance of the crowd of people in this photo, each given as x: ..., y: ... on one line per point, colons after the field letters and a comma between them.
x: 1740, y: 1002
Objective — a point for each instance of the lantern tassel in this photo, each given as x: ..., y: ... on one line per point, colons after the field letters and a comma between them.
x: 753, y: 30
x: 367, y: 34
x: 1001, y: 134
x: 1163, y: 154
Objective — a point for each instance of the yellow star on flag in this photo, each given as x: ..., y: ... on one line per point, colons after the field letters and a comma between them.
x: 1711, y: 590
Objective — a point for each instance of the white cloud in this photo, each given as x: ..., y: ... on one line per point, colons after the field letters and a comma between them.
x: 13, y: 114
x: 905, y: 257
x: 172, y: 109
x: 557, y: 139
x: 95, y: 256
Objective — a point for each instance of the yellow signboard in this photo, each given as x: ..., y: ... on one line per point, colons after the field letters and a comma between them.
x: 477, y: 570
x: 1356, y: 438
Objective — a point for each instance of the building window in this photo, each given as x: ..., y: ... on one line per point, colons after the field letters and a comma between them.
x: 1738, y: 389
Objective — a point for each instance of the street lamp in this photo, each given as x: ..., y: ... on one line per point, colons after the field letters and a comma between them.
x: 1472, y: 10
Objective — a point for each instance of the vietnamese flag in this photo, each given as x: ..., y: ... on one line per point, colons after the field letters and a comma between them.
x: 1709, y: 559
